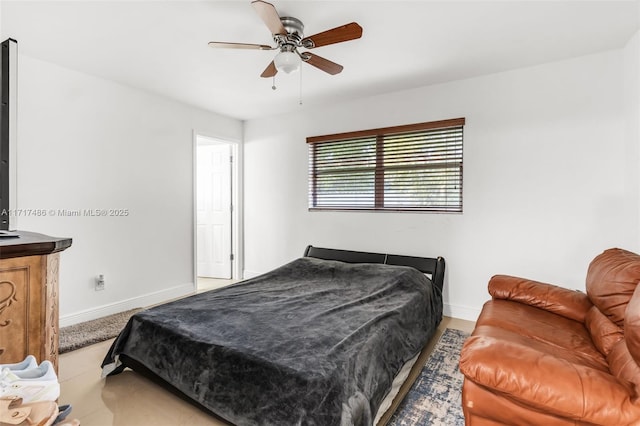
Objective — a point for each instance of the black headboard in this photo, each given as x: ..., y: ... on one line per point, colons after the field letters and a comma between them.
x: 428, y: 265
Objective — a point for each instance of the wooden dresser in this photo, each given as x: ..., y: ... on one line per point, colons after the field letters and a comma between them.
x: 29, y: 296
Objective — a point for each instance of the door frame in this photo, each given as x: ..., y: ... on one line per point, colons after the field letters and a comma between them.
x: 237, y: 246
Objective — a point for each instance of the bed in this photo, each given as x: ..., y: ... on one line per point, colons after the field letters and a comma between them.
x: 318, y: 341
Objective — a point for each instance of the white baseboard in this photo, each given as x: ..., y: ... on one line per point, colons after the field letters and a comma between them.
x: 124, y: 305
x: 461, y: 312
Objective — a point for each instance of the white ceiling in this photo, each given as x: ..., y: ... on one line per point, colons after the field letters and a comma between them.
x: 161, y: 46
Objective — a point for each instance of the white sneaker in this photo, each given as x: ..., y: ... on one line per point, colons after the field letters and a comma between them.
x: 35, y: 384
x: 28, y: 363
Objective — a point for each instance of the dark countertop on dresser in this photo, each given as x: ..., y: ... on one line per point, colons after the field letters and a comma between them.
x: 31, y: 244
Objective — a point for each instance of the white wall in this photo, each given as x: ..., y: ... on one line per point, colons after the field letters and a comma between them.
x: 632, y: 109
x: 88, y: 143
x: 548, y: 183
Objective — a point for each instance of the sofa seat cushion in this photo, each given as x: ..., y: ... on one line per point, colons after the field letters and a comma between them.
x: 540, y: 330
x: 544, y: 378
x: 480, y: 404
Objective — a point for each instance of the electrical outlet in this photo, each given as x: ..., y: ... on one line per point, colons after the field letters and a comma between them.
x: 99, y: 283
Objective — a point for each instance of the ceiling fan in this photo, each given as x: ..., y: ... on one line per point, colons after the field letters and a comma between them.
x: 288, y: 36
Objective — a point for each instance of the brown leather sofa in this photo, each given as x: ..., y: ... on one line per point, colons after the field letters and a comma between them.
x: 545, y: 355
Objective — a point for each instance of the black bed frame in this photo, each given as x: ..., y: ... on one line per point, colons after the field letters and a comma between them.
x: 427, y: 265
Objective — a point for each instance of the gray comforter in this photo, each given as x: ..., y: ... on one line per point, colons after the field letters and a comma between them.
x: 314, y: 342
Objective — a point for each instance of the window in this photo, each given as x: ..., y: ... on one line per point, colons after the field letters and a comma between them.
x: 417, y: 167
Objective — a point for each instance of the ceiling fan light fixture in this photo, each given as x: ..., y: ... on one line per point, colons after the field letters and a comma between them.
x: 287, y: 62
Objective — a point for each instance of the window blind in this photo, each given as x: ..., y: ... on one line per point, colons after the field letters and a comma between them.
x: 416, y: 167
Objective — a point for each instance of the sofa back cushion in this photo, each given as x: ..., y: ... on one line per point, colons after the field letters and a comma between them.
x: 612, y: 286
x: 604, y: 333
x: 632, y: 326
x: 624, y: 368
x: 611, y: 280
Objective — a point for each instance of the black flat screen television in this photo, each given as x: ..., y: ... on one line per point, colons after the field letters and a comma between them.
x: 8, y: 88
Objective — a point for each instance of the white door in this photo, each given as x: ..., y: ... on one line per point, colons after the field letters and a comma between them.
x: 214, y: 210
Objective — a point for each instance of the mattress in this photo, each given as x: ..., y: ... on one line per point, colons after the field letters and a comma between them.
x: 314, y: 342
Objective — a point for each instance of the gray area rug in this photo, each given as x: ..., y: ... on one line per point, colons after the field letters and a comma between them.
x: 87, y: 333
x: 436, y: 396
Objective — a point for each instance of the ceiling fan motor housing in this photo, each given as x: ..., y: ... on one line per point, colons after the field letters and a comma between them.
x: 295, y: 32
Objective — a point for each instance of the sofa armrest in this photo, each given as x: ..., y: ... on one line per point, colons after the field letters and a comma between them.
x: 547, y: 384
x: 571, y: 304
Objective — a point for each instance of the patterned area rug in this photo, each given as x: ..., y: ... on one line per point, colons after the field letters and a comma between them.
x: 87, y: 333
x: 436, y: 396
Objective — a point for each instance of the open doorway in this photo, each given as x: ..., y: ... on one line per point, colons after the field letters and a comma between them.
x: 216, y: 216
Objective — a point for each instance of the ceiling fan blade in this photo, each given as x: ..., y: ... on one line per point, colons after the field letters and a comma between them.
x: 269, y: 16
x: 226, y: 45
x: 322, y: 63
x: 269, y: 71
x: 336, y: 35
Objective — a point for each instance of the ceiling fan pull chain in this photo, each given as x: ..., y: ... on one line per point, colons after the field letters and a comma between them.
x: 300, y: 94
x: 273, y: 86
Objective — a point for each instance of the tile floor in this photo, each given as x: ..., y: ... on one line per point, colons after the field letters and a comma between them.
x: 205, y: 284
x: 128, y: 399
